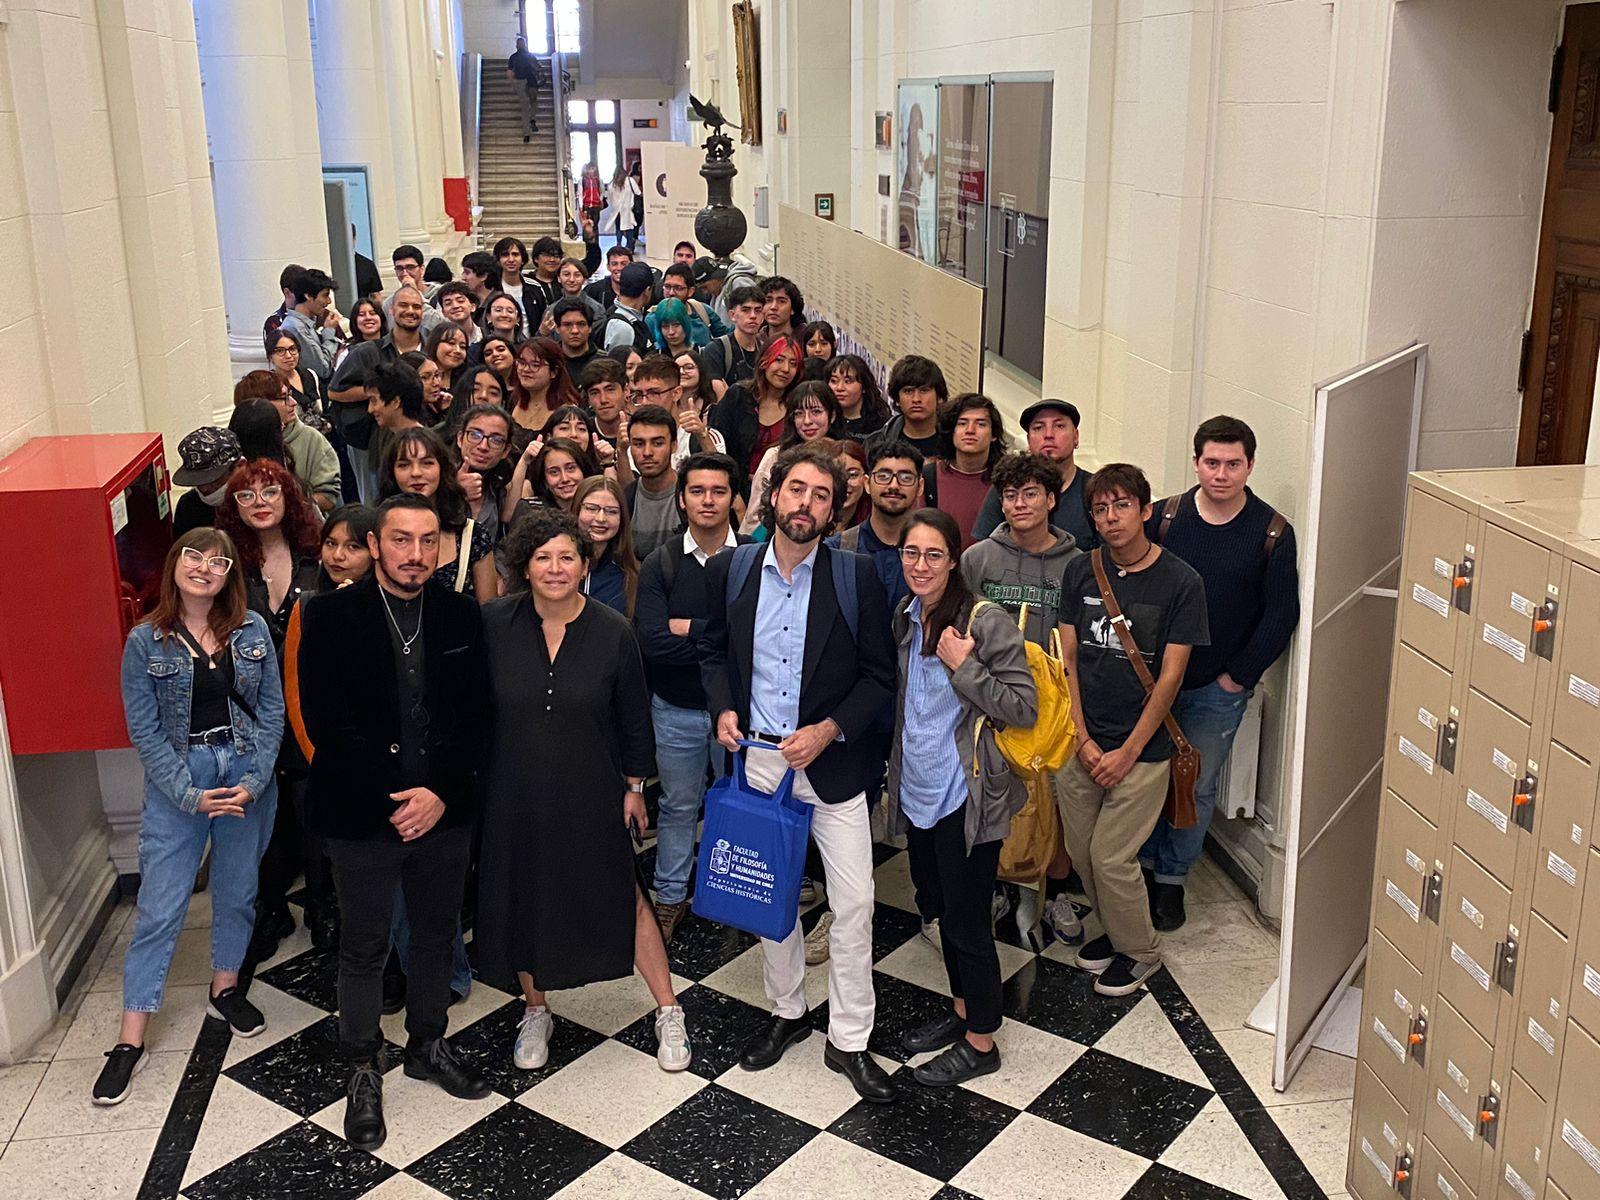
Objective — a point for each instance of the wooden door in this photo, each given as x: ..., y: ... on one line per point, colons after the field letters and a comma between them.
x: 1566, y: 292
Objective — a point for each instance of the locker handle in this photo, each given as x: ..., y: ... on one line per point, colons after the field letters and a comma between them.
x: 1461, y: 585
x: 1523, y: 795
x: 1461, y: 581
x: 1433, y: 896
x: 1402, y: 1173
x: 1415, y: 1039
x: 1544, y: 624
x: 1488, y: 1116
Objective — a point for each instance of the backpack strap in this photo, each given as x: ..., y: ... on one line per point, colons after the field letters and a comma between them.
x: 744, y: 561
x: 850, y: 539
x: 843, y: 564
x: 1275, y: 528
x: 1169, y: 511
x: 930, y: 483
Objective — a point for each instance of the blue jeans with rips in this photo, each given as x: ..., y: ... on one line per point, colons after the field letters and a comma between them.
x: 1209, y: 717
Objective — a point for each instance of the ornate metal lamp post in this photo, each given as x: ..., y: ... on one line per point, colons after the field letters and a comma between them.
x: 720, y: 226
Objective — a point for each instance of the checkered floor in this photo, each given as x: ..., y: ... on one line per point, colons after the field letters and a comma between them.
x: 1098, y: 1099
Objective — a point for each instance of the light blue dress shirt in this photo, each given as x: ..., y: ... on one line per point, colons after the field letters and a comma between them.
x: 778, y: 655
x: 931, y: 782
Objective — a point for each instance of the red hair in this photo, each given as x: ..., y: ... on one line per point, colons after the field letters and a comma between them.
x: 782, y: 344
x: 302, y: 527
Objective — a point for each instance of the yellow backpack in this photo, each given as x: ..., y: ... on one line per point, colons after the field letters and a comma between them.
x: 1041, y: 749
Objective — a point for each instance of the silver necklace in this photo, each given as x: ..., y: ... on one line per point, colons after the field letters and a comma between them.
x: 405, y: 642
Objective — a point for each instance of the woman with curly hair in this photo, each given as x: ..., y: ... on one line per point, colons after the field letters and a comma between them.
x: 417, y: 460
x: 602, y: 511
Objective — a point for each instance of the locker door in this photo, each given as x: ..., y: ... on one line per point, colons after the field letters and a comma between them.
x: 1584, y: 1001
x: 1553, y: 1192
x: 1489, y: 771
x: 1409, y: 852
x: 1525, y: 1138
x: 1575, y: 1133
x: 1435, y: 550
x: 1459, y: 1087
x: 1477, y: 914
x: 1419, y: 759
x: 1393, y: 1017
x: 1377, y: 1139
x: 1563, y: 814
x: 1507, y: 597
x: 1436, y: 1179
x: 1543, y: 977
x: 1577, y: 711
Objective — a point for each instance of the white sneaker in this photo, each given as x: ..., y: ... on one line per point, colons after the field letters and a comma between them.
x: 810, y: 891
x: 532, y: 1050
x: 928, y: 931
x: 1063, y: 918
x: 817, y: 940
x: 1027, y: 917
x: 672, y: 1039
x: 999, y: 905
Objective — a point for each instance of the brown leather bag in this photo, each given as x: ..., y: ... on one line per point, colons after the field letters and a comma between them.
x: 1180, y: 810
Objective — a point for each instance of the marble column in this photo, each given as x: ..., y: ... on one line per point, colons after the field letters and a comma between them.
x: 421, y: 28
x: 396, y: 86
x: 27, y: 992
x: 255, y: 55
x: 450, y: 90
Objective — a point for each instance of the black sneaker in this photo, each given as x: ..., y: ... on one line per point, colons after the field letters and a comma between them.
x: 1166, y: 907
x: 961, y: 1062
x: 233, y: 1006
x: 123, y: 1062
x: 1125, y: 976
x: 1096, y: 956
x: 935, y: 1035
x: 435, y: 1060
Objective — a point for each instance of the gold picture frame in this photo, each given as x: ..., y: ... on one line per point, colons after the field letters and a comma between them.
x: 747, y: 64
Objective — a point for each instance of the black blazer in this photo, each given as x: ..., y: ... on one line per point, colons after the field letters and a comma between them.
x: 847, y: 679
x: 350, y: 702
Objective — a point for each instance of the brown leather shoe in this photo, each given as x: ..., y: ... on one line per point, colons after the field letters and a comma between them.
x: 668, y: 916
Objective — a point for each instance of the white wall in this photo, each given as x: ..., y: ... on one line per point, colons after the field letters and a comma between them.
x: 490, y: 27
x: 631, y: 110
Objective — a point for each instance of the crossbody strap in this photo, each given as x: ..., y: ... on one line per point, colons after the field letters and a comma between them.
x: 463, y: 552
x: 1130, y: 647
x: 233, y: 690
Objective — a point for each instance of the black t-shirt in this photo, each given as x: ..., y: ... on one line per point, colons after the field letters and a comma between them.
x: 368, y: 281
x: 728, y: 361
x: 525, y: 67
x: 575, y: 367
x: 191, y: 512
x: 1165, y: 604
x: 930, y: 446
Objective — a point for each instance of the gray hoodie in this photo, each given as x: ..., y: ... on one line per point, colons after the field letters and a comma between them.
x: 999, y: 570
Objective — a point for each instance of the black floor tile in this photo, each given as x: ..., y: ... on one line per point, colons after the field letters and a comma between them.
x: 304, y: 1072
x: 700, y: 947
x: 1163, y: 1183
x: 304, y: 1160
x: 485, y: 1046
x: 1121, y: 1102
x: 720, y: 1142
x: 892, y: 928
x: 933, y: 1130
x: 950, y: 1192
x: 312, y: 977
x: 882, y: 852
x: 719, y: 1026
x: 901, y: 1007
x: 513, y: 1152
x: 1061, y: 1000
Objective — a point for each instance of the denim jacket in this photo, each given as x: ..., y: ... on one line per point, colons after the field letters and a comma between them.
x: 157, y: 686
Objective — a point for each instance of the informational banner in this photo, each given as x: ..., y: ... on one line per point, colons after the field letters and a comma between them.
x: 673, y: 194
x: 962, y: 232
x: 917, y: 162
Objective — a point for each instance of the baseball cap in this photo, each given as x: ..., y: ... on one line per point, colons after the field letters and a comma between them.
x: 706, y: 269
x: 1070, y: 411
x: 636, y: 279
x: 207, y: 454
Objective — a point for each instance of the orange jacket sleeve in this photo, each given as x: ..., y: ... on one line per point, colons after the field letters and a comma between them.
x: 291, y: 683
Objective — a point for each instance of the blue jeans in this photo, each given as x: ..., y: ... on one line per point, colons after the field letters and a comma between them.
x: 685, y: 743
x: 400, y: 936
x: 1209, y: 718
x: 171, y: 843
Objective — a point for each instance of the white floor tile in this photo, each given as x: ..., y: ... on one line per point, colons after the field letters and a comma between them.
x: 1034, y: 1159
x: 1322, y: 1076
x: 1030, y: 1061
x: 62, y: 1107
x: 1224, y: 993
x: 621, y: 1178
x: 799, y: 1084
x: 741, y: 979
x: 1214, y: 1148
x: 17, y: 1085
x: 237, y: 1121
x: 828, y: 1167
x: 106, y: 1166
x: 1320, y: 1134
x: 199, y: 914
x: 921, y: 962
x: 285, y: 1016
x: 191, y: 961
x: 403, y: 1187
x: 1209, y: 884
x: 1219, y: 932
x: 613, y: 1093
x: 420, y: 1115
x: 175, y: 1027
x: 611, y: 1006
x: 1146, y: 1037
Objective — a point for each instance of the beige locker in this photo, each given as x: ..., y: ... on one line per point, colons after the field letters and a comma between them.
x: 1476, y: 924
x: 1394, y: 1026
x: 1435, y: 577
x: 1460, y: 1092
x: 1564, y: 814
x: 1544, y: 972
x: 1552, y: 1192
x: 1408, y: 881
x: 1436, y: 1179
x: 1420, y: 758
x: 1575, y: 1133
x: 1525, y: 1139
x: 1377, y: 1140
x: 1509, y: 594
x: 1576, y: 719
x: 1490, y: 774
x: 1584, y: 997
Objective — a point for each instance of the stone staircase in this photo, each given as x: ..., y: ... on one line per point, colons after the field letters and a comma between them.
x: 516, y: 183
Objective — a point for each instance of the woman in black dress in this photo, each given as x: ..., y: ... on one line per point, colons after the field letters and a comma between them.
x: 559, y: 897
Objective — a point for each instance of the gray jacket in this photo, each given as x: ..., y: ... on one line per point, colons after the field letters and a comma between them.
x: 994, y: 682
x: 1000, y: 570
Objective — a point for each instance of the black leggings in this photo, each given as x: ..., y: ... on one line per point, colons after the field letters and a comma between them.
x: 956, y: 887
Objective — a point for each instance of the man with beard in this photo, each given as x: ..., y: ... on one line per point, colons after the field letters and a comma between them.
x: 797, y: 653
x: 393, y: 692
x: 894, y: 485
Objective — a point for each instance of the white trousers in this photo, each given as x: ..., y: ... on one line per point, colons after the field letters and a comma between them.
x: 843, y: 834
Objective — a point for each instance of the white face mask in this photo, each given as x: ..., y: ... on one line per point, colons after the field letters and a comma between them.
x: 215, y: 499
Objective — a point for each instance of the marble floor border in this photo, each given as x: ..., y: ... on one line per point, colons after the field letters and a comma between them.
x: 163, y: 1175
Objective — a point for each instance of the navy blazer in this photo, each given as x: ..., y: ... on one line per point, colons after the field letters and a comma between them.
x: 848, y: 679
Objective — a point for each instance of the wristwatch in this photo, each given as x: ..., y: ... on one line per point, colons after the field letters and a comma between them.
x: 635, y: 787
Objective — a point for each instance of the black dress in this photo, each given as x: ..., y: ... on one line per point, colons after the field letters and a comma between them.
x: 557, y: 874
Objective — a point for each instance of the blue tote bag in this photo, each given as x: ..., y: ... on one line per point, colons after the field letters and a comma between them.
x: 752, y: 854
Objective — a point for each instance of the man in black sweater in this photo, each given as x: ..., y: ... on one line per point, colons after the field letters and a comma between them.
x: 670, y: 614
x: 1244, y: 552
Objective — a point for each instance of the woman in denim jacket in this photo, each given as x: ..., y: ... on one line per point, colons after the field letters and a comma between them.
x: 204, y: 706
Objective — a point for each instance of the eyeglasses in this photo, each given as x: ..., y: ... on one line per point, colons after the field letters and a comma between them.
x: 532, y: 364
x: 291, y: 348
x: 590, y: 509
x: 885, y: 476
x: 934, y: 558
x: 655, y: 395
x: 1120, y: 507
x: 214, y: 563
x: 271, y: 494
x: 495, y: 441
x: 1030, y: 495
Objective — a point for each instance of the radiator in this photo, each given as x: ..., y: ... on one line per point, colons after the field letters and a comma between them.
x: 1236, y: 790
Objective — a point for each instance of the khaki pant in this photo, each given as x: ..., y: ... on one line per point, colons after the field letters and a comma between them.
x: 1104, y: 831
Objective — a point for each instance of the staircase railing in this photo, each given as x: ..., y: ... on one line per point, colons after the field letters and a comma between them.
x: 471, y: 124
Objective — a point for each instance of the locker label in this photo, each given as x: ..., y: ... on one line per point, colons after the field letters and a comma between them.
x: 1443, y: 569
x: 1427, y: 720
x: 1406, y: 903
x: 1402, y: 1003
x: 1456, y: 1077
x: 1573, y: 1136
x: 1470, y: 965
x: 1505, y: 643
x: 1588, y: 692
x: 1542, y: 1036
x: 1416, y: 754
x: 1447, y: 1106
x: 1577, y: 835
x: 1376, y: 1160
x: 1503, y: 762
x: 1561, y: 869
x: 1391, y: 1137
x: 1416, y: 864
x: 1518, y: 1184
x: 1591, y: 979
x: 1471, y: 912
x: 1388, y: 1039
x: 1521, y: 605
x: 1486, y: 810
x: 1444, y: 1186
x: 1430, y: 599
x: 119, y: 512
